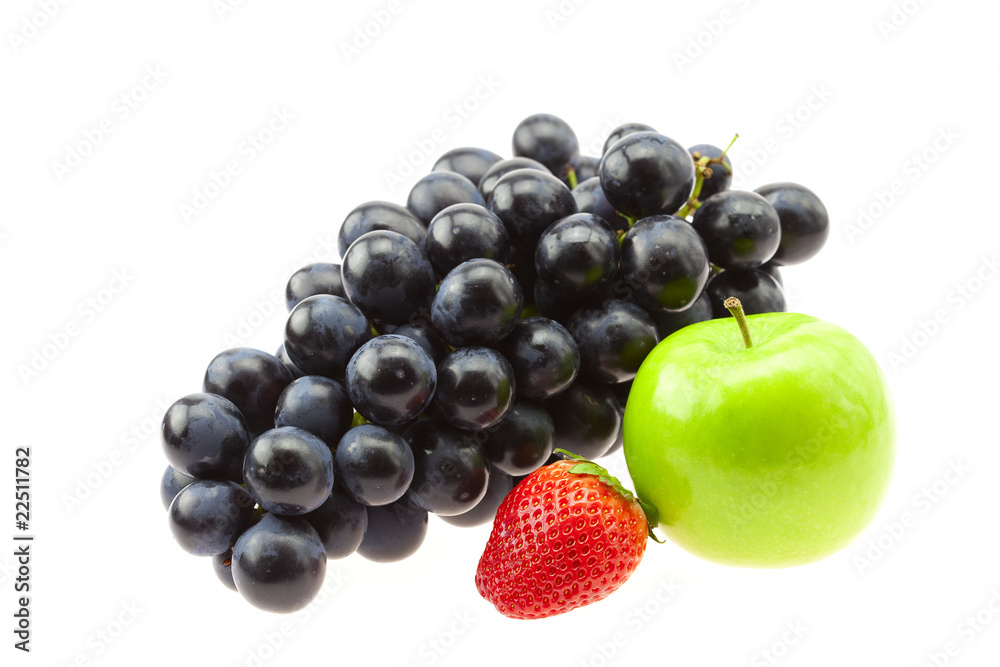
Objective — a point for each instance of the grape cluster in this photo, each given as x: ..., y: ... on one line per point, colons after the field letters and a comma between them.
x: 500, y: 315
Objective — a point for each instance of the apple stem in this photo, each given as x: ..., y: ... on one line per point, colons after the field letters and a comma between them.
x: 734, y: 306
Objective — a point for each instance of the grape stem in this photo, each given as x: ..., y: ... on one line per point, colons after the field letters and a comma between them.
x: 703, y: 170
x: 734, y: 306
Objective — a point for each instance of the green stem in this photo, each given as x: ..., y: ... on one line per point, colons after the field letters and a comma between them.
x: 734, y: 306
x: 571, y: 177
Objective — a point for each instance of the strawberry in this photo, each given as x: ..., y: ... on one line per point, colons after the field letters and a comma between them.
x: 568, y: 535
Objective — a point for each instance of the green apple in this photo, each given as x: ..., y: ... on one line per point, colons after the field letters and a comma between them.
x: 765, y: 441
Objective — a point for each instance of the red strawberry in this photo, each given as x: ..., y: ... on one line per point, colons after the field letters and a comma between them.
x: 569, y: 534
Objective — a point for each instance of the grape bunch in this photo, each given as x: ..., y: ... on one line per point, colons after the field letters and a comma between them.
x: 498, y: 316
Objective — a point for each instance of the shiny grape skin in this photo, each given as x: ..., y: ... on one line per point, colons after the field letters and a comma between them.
x: 205, y: 436
x: 171, y: 484
x: 583, y: 167
x: 805, y: 223
x: 340, y: 523
x: 223, y: 566
x: 756, y: 290
x: 587, y: 419
x: 521, y: 442
x: 387, y: 276
x: 546, y: 138
x: 323, y: 332
x: 391, y: 380
x: 463, y: 232
x: 279, y: 564
x: 489, y: 180
x: 621, y: 392
x: 544, y: 356
x: 478, y: 303
x: 646, y: 174
x: 623, y: 131
x: 374, y: 465
x: 521, y: 263
x: 721, y: 177
x: 312, y: 279
x: 485, y: 511
x: 394, y: 531
x: 438, y: 190
x: 253, y: 380
x: 288, y: 471
x: 741, y: 229
x: 423, y: 334
x: 473, y: 163
x: 281, y: 354
x: 450, y: 472
x: 590, y: 198
x: 375, y: 215
x: 476, y: 387
x: 207, y: 516
x: 317, y: 404
x: 577, y: 256
x: 668, y: 323
x: 664, y: 263
x: 614, y: 339
x: 771, y: 269
x: 528, y: 201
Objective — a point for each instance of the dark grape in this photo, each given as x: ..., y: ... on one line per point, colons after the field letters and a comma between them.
x: 756, y: 290
x: 614, y: 338
x: 172, y: 482
x: 577, y: 256
x: 646, y: 174
x: 205, y: 436
x: 504, y: 167
x: 223, y: 566
x: 279, y: 564
x: 312, y: 279
x: 722, y: 174
x: 340, y: 523
x: 317, y: 404
x: 374, y: 465
x: 323, y: 332
x: 422, y: 332
x: 379, y: 215
x: 207, y: 516
x: 669, y: 322
x: 805, y: 224
x: 528, y: 201
x: 578, y: 169
x: 664, y: 263
x: 440, y: 189
x: 623, y: 131
x: 621, y: 392
x: 475, y: 387
x: 521, y: 442
x: 740, y: 229
x: 587, y: 419
x: 546, y: 138
x: 394, y: 531
x: 288, y: 471
x: 463, y: 232
x: 485, y: 511
x: 450, y: 472
x: 472, y: 163
x: 253, y: 380
x: 287, y: 361
x: 478, y: 303
x: 590, y: 198
x: 391, y: 380
x: 544, y: 356
x: 388, y: 277
x: 771, y: 269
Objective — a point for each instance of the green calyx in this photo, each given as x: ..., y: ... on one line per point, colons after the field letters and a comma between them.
x: 586, y: 467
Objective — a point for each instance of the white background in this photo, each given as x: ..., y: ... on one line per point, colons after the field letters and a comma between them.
x: 830, y: 95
